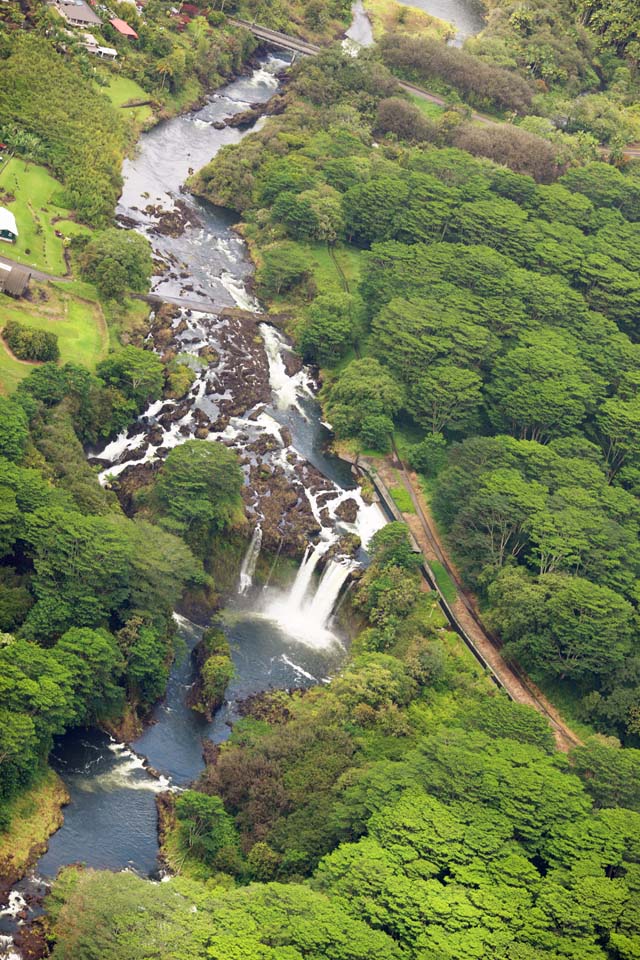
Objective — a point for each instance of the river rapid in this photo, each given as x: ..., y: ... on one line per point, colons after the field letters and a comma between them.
x: 253, y: 396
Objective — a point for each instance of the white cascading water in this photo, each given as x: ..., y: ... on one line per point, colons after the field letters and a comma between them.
x: 305, y: 614
x: 248, y: 567
x: 300, y: 585
x: 286, y: 389
x: 331, y: 582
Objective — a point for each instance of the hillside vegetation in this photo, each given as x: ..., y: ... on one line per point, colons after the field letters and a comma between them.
x: 496, y: 318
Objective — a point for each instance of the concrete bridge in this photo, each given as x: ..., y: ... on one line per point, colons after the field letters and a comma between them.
x: 276, y: 39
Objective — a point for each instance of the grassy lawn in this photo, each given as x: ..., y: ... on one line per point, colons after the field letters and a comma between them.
x: 121, y: 90
x: 79, y: 325
x: 431, y: 110
x: 388, y: 16
x: 34, y: 816
x: 328, y: 272
x: 38, y: 213
x: 327, y: 275
x: 444, y: 581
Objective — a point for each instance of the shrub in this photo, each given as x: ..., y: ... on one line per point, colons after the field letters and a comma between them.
x: 30, y: 344
x: 476, y: 81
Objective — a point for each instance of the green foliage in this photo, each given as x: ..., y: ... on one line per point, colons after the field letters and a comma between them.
x: 117, y: 262
x: 125, y: 917
x: 136, y: 373
x: 198, y: 489
x: 478, y: 82
x: 446, y: 398
x: 30, y: 344
x: 542, y: 41
x: 561, y: 626
x: 215, y: 670
x: 617, y: 24
x: 75, y: 131
x: 92, y: 659
x: 283, y: 266
x: 609, y: 773
x: 14, y: 430
x: 542, y: 389
x: 332, y: 326
x: 362, y: 401
x: 204, y: 826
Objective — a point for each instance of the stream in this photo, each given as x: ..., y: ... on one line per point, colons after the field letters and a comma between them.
x: 467, y: 16
x: 257, y: 399
x: 252, y: 394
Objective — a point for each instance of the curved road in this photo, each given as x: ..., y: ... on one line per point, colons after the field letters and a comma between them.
x: 287, y: 42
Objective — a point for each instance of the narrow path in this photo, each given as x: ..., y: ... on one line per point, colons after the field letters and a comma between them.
x: 36, y: 274
x: 464, y: 612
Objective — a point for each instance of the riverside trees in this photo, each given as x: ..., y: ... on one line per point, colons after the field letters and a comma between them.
x: 86, y: 594
x: 403, y: 810
x: 498, y: 313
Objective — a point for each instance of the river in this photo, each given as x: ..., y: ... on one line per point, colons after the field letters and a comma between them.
x: 255, y: 399
x: 111, y: 819
x: 467, y: 16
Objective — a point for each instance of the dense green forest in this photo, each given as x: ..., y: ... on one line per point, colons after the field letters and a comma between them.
x: 496, y: 318
x: 403, y: 811
x: 489, y: 329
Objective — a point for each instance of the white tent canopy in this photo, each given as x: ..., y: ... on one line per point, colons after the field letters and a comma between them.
x: 8, y: 221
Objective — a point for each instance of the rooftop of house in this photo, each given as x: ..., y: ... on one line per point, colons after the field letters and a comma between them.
x: 8, y: 221
x: 15, y: 281
x: 123, y: 27
x: 78, y: 11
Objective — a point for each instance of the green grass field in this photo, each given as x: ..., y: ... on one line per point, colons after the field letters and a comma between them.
x: 402, y: 499
x: 38, y: 214
x: 431, y: 110
x: 444, y: 581
x: 121, y: 90
x: 79, y: 325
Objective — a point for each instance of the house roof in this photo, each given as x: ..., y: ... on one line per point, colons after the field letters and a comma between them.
x: 16, y: 281
x: 8, y: 221
x: 78, y: 10
x: 123, y: 27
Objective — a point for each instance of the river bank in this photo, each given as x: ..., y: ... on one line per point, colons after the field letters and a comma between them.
x: 35, y: 815
x: 252, y: 394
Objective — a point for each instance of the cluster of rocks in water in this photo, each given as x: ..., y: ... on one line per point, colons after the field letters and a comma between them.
x: 247, y: 118
x: 229, y: 401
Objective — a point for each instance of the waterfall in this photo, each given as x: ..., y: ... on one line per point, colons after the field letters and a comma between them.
x: 250, y: 559
x: 303, y: 578
x: 286, y: 389
x: 334, y: 576
x: 303, y: 612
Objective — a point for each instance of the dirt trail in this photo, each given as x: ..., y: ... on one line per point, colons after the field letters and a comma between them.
x: 464, y: 611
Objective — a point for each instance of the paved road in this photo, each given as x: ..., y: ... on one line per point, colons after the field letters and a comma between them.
x: 287, y: 42
x: 36, y: 274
